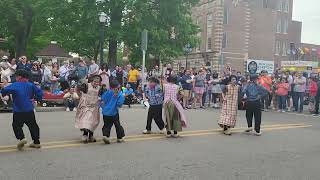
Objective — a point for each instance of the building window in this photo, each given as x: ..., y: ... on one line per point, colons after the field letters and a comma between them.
x: 285, y: 6
x: 285, y: 26
x: 277, y: 47
x: 209, y: 46
x: 199, y: 45
x: 226, y: 16
x: 265, y: 3
x: 284, y: 48
x: 279, y: 25
x: 224, y: 40
x: 279, y: 6
x: 209, y: 31
x: 198, y: 20
x: 209, y: 20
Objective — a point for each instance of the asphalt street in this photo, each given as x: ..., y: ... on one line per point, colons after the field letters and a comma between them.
x: 287, y: 150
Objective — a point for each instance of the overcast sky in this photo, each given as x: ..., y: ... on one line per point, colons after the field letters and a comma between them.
x: 308, y: 12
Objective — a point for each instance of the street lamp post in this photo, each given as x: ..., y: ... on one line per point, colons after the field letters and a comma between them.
x: 187, y: 49
x: 102, y: 19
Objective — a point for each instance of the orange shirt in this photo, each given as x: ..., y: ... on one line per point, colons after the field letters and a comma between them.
x: 266, y: 82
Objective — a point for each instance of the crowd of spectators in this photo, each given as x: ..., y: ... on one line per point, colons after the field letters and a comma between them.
x: 200, y: 88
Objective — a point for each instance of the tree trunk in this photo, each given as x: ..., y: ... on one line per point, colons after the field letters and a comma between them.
x: 157, y: 60
x: 113, y: 49
x: 22, y: 32
x: 96, y: 52
x: 115, y: 27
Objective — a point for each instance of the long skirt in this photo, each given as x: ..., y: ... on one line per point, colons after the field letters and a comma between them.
x: 87, y: 116
x: 172, y: 117
x: 228, y: 115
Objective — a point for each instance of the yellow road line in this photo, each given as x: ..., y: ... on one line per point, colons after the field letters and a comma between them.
x: 139, y: 138
x: 152, y: 135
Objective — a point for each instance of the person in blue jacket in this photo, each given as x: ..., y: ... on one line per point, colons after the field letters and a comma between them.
x: 23, y: 92
x: 128, y: 94
x: 112, y: 100
x: 253, y: 92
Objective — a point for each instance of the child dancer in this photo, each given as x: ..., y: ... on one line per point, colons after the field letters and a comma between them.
x: 228, y: 117
x: 22, y: 92
x: 154, y: 95
x: 173, y: 111
x: 88, y: 114
x: 112, y: 100
x: 253, y: 93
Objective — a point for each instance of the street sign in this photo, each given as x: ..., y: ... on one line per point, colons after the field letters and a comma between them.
x: 144, y: 40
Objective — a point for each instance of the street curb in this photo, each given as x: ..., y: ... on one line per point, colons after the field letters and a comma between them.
x: 60, y: 109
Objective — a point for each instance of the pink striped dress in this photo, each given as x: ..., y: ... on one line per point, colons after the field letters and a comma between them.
x: 170, y: 94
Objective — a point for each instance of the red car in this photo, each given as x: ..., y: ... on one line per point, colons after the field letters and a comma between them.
x: 50, y: 99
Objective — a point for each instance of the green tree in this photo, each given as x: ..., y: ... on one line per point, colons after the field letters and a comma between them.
x: 74, y: 24
x: 31, y: 24
x: 169, y: 24
x: 16, y: 22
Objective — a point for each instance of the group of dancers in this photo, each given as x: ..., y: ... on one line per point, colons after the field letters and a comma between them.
x: 165, y: 109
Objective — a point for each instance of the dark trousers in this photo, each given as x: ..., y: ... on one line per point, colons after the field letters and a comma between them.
x: 28, y: 118
x: 133, y: 86
x: 70, y: 103
x: 87, y: 132
x: 316, y: 106
x: 128, y: 100
x: 155, y: 112
x: 282, y: 102
x: 109, y: 121
x: 265, y: 101
x: 214, y: 97
x: 204, y: 98
x: 298, y: 99
x: 254, y: 110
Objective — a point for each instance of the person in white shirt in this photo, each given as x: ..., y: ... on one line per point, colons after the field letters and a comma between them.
x: 46, y: 74
x: 8, y: 68
x: 93, y: 69
x: 64, y: 71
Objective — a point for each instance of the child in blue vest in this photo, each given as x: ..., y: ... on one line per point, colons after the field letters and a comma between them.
x: 154, y: 95
x: 112, y: 100
x: 23, y: 92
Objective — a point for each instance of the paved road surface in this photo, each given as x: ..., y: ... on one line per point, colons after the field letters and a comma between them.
x: 288, y: 150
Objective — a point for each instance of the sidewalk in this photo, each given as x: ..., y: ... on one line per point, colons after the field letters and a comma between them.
x: 59, y: 109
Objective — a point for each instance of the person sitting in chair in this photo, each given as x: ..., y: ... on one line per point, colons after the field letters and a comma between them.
x: 71, y: 100
x: 128, y: 94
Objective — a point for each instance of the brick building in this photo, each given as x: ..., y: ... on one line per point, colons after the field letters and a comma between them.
x: 233, y: 31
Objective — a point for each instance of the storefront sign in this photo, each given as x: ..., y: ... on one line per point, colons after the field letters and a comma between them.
x: 256, y: 66
x: 299, y: 64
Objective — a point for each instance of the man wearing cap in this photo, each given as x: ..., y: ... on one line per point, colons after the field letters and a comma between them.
x: 23, y: 64
x: 253, y: 92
